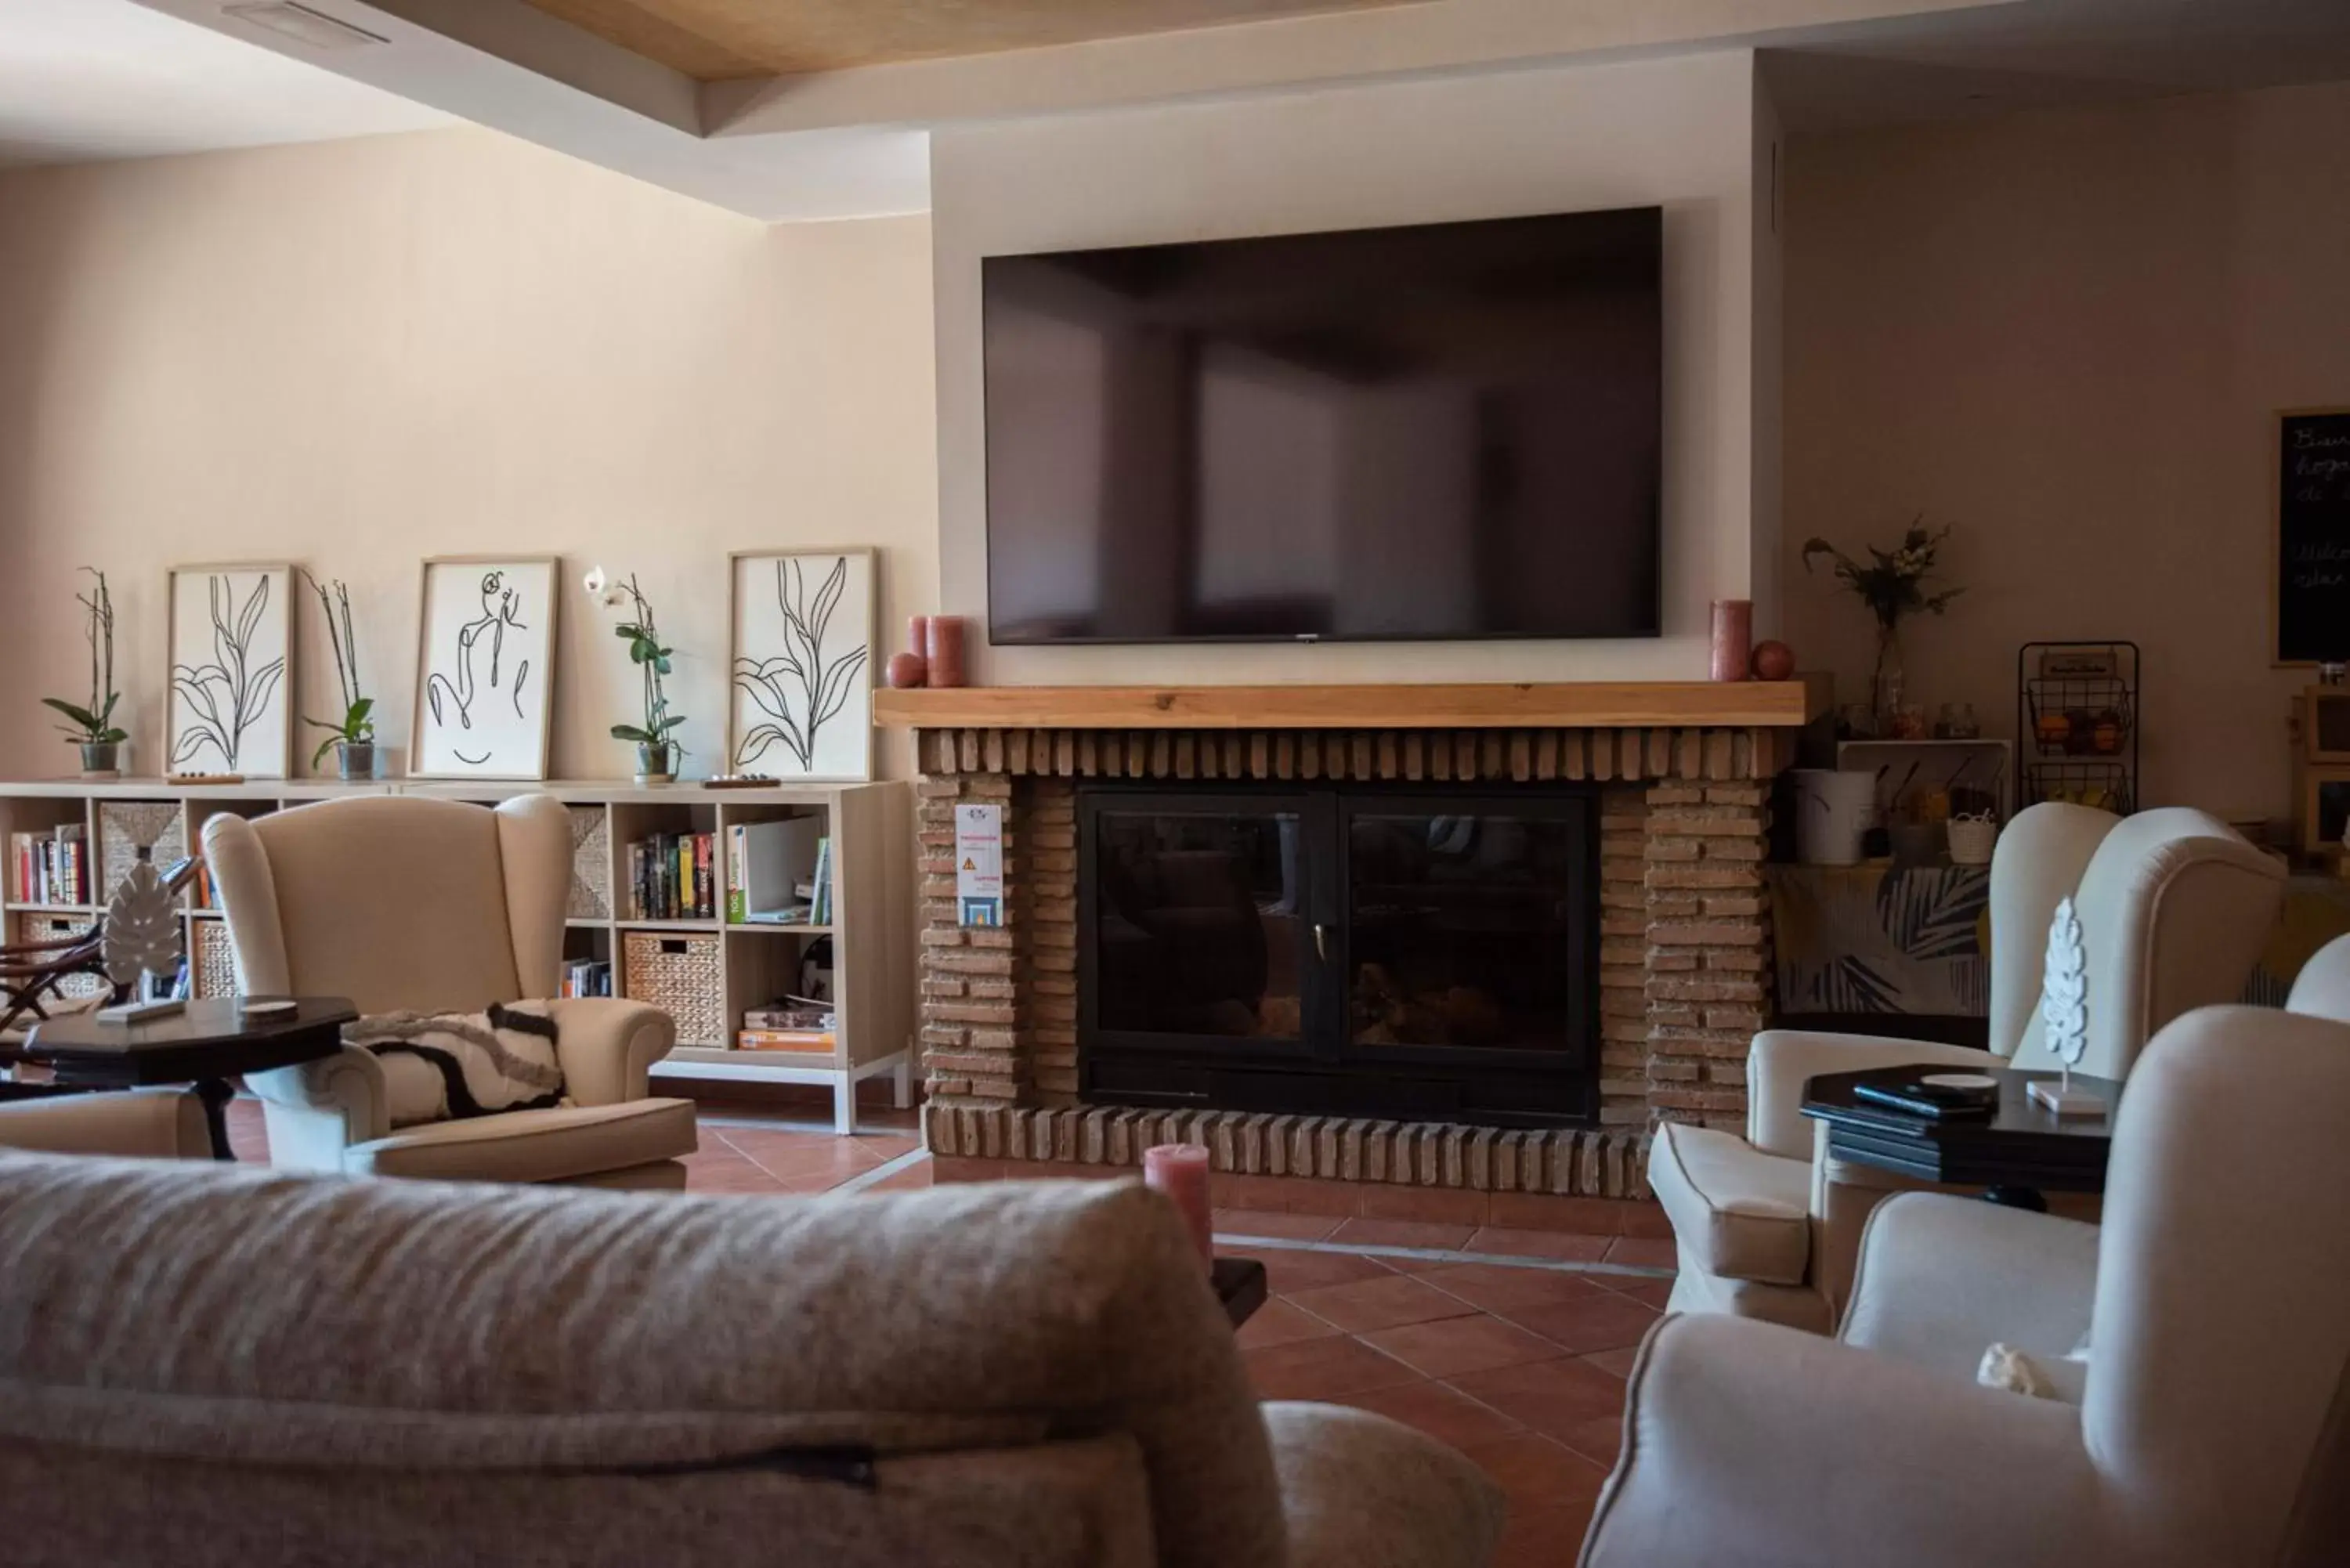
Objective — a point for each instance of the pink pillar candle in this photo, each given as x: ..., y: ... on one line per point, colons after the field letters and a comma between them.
x: 1733, y: 637
x: 1180, y: 1171
x: 946, y: 641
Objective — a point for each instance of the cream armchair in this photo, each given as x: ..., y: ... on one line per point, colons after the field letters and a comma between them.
x: 400, y: 902
x: 2174, y: 909
x: 2212, y: 1425
x: 143, y: 1124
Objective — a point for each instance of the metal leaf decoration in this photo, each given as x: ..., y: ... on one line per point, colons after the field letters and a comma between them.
x: 2064, y: 993
x: 142, y: 928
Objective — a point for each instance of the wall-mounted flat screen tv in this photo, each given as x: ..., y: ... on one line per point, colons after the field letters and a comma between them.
x: 1446, y: 430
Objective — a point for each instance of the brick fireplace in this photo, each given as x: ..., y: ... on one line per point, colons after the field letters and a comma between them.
x: 1684, y: 959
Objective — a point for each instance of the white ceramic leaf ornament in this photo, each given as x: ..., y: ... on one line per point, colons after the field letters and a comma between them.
x: 2063, y: 994
x: 142, y: 927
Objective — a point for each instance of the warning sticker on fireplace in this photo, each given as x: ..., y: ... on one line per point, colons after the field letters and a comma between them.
x: 979, y: 864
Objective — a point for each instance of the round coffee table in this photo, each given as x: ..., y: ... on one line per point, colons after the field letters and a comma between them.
x: 205, y: 1044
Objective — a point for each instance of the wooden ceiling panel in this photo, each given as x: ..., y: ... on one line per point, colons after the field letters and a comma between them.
x: 716, y: 39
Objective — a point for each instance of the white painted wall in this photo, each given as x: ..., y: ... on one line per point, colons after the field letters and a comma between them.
x: 354, y: 354
x: 1677, y: 133
x: 2066, y: 334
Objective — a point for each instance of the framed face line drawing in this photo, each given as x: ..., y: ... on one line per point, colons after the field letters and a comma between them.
x: 485, y: 668
x: 803, y: 625
x: 230, y: 643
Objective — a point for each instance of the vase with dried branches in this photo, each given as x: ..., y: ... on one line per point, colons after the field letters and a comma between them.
x: 655, y: 739
x: 352, y: 737
x: 93, y: 728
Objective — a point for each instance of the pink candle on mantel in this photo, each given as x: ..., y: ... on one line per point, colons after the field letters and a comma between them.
x: 1180, y: 1171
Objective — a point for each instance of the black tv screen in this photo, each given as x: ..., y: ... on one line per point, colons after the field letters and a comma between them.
x: 1447, y: 430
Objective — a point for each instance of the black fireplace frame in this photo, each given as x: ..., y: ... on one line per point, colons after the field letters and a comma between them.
x: 1321, y: 1072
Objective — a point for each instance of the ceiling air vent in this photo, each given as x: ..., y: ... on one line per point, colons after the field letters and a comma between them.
x: 303, y: 25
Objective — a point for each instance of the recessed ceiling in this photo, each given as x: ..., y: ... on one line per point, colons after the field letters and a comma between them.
x: 83, y: 79
x: 716, y: 40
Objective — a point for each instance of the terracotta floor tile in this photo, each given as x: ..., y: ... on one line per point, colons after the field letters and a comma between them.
x: 1537, y: 1472
x: 1602, y: 1322
x: 1403, y: 1233
x: 1596, y: 1439
x: 1442, y: 1412
x: 1415, y: 1265
x: 1280, y: 1321
x: 1289, y: 1270
x: 1554, y: 1398
x: 726, y: 1172
x: 1429, y: 1205
x: 1328, y: 1368
x: 1614, y: 1363
x: 1543, y: 1537
x: 1647, y: 1293
x: 1496, y: 1287
x: 914, y: 1177
x: 1451, y: 1346
x: 1644, y: 1252
x: 1390, y: 1303
x: 1562, y: 1245
x: 794, y: 1156
x: 1276, y: 1223
x: 1648, y: 1219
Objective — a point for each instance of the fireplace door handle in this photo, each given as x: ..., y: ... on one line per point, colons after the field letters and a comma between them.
x: 1321, y: 941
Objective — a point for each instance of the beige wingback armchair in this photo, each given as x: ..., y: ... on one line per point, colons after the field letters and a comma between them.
x: 434, y: 906
x: 2214, y: 1423
x: 2174, y: 908
x: 993, y: 1375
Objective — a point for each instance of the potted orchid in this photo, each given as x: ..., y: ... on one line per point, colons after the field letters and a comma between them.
x: 93, y: 728
x: 352, y: 737
x: 1892, y: 584
x: 657, y: 748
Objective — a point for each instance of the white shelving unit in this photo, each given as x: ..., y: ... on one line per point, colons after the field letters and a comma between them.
x: 741, y: 966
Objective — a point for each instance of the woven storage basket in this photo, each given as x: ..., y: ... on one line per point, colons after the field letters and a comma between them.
x: 216, y: 965
x: 123, y: 825
x: 48, y: 928
x: 591, y: 865
x: 679, y: 974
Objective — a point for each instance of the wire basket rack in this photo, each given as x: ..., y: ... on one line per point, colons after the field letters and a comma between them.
x: 2078, y: 733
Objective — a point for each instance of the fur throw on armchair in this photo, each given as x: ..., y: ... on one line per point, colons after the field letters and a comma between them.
x: 443, y: 1066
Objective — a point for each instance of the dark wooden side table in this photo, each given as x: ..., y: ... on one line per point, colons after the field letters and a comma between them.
x: 206, y: 1044
x: 1240, y: 1285
x: 2015, y: 1153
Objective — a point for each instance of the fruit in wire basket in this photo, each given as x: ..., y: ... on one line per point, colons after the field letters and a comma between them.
x: 2105, y: 734
x: 2052, y: 729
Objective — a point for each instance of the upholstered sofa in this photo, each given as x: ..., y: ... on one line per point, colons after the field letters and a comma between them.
x: 204, y: 1367
x: 2174, y: 907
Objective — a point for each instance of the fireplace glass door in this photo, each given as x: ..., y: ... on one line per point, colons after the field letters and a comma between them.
x: 1202, y: 915
x: 1466, y: 928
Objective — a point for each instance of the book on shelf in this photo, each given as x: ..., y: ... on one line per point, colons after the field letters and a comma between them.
x: 671, y: 877
x: 820, y: 904
x: 588, y: 977
x: 52, y: 865
x: 770, y: 870
x: 790, y: 1013
x: 808, y: 1040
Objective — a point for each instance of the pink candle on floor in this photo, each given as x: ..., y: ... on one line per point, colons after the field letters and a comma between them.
x: 1180, y: 1171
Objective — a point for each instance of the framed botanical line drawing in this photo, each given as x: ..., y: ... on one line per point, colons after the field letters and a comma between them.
x: 485, y: 668
x: 800, y: 703
x: 231, y: 645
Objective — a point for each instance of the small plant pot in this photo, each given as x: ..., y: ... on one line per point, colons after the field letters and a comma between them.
x: 355, y: 761
x: 654, y: 765
x: 102, y: 759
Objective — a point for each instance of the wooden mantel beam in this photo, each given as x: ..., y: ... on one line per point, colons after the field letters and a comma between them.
x: 1743, y: 704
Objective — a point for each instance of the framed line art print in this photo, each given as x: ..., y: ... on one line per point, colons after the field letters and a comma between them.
x: 485, y: 703
x: 800, y: 694
x: 231, y: 644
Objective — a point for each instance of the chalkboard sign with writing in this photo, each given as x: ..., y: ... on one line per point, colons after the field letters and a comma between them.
x: 2313, y: 552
